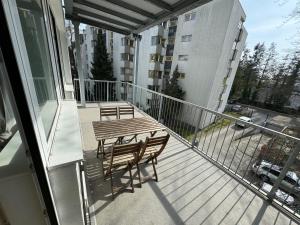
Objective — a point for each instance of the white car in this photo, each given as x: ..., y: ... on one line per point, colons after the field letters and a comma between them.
x: 279, y: 194
x: 269, y: 173
x: 243, y: 118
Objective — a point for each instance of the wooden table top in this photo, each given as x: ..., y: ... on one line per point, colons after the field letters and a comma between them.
x: 124, y: 127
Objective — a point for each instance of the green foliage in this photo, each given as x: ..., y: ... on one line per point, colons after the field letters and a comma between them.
x: 172, y: 87
x: 101, y: 66
x: 263, y: 79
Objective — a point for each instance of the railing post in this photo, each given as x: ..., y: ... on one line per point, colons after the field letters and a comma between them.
x: 196, y: 128
x: 160, y: 107
x: 140, y: 99
x: 107, y: 92
x: 284, y: 170
x: 79, y: 64
x: 127, y: 91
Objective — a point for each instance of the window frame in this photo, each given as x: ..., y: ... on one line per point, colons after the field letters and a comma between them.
x: 19, y: 46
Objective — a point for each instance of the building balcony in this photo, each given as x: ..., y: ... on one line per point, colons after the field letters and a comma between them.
x: 206, y: 174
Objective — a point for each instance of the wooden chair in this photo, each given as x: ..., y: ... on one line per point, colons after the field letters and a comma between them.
x: 127, y: 110
x: 151, y: 149
x: 108, y: 111
x: 121, y: 157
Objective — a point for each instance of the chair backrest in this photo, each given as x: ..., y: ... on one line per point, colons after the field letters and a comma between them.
x: 125, y: 149
x: 155, y: 141
x: 126, y: 110
x: 108, y: 111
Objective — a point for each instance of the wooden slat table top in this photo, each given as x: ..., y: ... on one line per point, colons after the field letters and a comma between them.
x: 124, y: 127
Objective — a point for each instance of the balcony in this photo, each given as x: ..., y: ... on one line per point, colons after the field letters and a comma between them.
x: 205, y: 174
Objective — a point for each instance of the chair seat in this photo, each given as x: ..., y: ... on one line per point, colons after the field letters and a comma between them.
x: 118, y: 160
x: 149, y: 151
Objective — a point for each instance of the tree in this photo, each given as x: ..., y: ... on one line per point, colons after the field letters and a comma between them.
x: 101, y: 65
x: 102, y: 70
x: 172, y: 87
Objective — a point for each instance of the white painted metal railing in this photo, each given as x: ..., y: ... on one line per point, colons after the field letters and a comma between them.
x: 216, y: 136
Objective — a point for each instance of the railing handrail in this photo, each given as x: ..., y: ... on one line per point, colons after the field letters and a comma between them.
x: 273, y: 132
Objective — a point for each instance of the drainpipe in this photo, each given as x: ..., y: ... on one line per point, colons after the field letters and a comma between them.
x: 79, y: 63
x: 136, y: 64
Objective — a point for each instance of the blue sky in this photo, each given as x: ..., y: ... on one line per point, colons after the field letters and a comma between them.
x: 265, y: 22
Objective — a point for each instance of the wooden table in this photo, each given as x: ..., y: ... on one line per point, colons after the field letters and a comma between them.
x: 123, y: 127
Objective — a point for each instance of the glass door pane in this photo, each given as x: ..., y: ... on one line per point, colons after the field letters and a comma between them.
x: 34, y: 31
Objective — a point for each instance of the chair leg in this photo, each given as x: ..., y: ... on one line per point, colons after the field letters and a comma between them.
x: 154, y: 169
x: 135, y: 137
x: 155, y: 160
x: 98, y: 149
x: 131, y: 180
x: 112, y: 187
x: 139, y: 174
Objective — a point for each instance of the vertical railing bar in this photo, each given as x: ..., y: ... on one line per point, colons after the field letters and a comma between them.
x: 191, y: 127
x: 212, y: 133
x: 253, y: 154
x: 197, y: 126
x: 284, y: 170
x: 228, y: 147
x: 217, y: 137
x: 186, y: 125
x: 224, y: 140
x: 178, y: 117
x: 243, y: 154
x: 236, y: 148
x: 207, y: 134
x: 202, y: 122
x: 168, y: 112
x: 171, y: 114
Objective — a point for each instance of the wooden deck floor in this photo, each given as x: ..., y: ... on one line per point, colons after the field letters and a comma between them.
x: 190, y: 190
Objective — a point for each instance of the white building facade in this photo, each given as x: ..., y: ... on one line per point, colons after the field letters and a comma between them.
x: 205, y: 43
x: 209, y: 42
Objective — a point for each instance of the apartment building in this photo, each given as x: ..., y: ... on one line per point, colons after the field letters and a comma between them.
x: 209, y: 42
x: 205, y: 43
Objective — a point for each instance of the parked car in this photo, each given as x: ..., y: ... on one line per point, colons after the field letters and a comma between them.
x: 243, y: 118
x: 237, y: 108
x: 279, y: 194
x: 269, y: 173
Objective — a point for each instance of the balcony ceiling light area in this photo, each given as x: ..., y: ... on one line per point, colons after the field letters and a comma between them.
x: 127, y: 16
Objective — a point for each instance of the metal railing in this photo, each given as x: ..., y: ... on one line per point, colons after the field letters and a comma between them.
x: 254, y: 155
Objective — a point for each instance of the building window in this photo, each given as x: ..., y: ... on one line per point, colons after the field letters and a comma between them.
x: 127, y: 42
x: 158, y: 40
x: 181, y: 75
x: 172, y: 31
x: 183, y: 57
x: 189, y: 16
x: 168, y: 58
x: 127, y: 71
x: 154, y: 74
x: 127, y: 57
x: 186, y: 38
x: 173, y: 23
x: 171, y: 41
x: 156, y: 58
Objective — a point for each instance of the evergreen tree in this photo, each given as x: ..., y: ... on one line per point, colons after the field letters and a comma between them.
x: 101, y: 65
x: 172, y: 87
x: 102, y: 70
